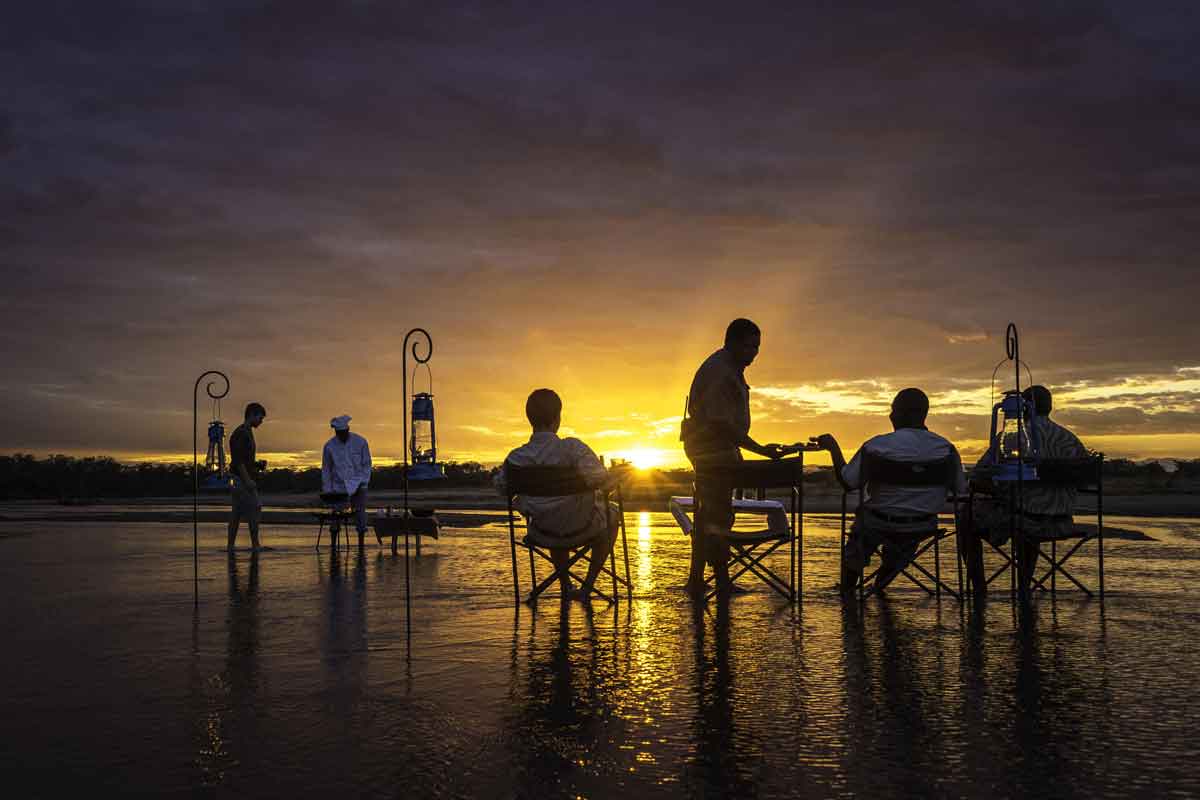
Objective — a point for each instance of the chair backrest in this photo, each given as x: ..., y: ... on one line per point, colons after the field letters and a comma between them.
x: 878, y: 470
x: 766, y: 474
x: 544, y: 481
x: 1076, y: 473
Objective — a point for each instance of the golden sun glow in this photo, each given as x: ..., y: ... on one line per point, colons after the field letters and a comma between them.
x: 644, y: 457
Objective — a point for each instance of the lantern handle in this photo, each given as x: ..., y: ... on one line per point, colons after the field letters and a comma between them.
x: 428, y: 372
x: 996, y: 370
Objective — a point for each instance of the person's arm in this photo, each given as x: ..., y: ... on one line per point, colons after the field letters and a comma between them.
x: 960, y: 476
x: 769, y: 450
x: 587, y: 463
x: 980, y: 479
x: 326, y: 470
x: 247, y: 483
x: 848, y: 478
x: 366, y: 464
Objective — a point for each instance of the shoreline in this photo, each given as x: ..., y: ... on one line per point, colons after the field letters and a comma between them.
x: 298, y: 509
x: 467, y: 507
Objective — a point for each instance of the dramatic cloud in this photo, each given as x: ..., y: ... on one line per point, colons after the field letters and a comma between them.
x: 581, y: 196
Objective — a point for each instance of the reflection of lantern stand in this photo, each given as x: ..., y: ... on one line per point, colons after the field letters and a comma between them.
x: 1014, y: 449
x: 208, y: 389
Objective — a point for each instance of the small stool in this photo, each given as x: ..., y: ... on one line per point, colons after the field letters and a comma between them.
x: 339, y: 515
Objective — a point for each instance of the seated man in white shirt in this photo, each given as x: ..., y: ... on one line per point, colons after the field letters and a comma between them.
x: 893, y: 509
x: 346, y: 469
x: 564, y: 517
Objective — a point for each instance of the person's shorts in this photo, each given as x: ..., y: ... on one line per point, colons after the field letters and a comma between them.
x: 994, y: 522
x: 597, y: 525
x: 899, y: 542
x: 245, y: 504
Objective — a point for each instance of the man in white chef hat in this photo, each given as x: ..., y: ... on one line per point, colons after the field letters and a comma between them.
x: 346, y: 469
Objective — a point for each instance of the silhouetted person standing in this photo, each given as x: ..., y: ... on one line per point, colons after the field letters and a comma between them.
x: 244, y: 500
x: 714, y: 431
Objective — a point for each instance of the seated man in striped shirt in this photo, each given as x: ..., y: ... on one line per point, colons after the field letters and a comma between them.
x: 571, y: 516
x: 1047, y: 509
x: 893, y: 509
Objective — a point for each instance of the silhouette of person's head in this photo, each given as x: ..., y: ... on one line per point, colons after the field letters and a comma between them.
x: 255, y: 414
x: 742, y: 340
x: 544, y: 410
x: 1043, y: 403
x: 910, y: 407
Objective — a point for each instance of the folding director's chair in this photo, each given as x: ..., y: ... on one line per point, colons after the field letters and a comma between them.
x: 748, y: 550
x: 552, y: 481
x: 338, y: 515
x: 1086, y: 476
x: 879, y: 472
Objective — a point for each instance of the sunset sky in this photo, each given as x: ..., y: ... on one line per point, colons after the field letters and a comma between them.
x: 581, y: 196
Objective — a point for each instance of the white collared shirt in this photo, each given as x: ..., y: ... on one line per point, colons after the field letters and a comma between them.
x: 345, y: 466
x: 906, y: 444
x: 558, y: 515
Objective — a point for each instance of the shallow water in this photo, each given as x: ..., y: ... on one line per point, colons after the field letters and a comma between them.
x: 296, y: 675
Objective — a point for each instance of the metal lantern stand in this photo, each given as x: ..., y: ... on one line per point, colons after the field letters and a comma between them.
x: 1016, y: 520
x: 208, y: 389
x: 418, y: 359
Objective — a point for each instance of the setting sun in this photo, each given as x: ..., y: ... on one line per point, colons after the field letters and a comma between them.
x: 644, y: 457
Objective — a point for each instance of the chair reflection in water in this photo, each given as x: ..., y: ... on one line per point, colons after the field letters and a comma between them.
x: 748, y: 550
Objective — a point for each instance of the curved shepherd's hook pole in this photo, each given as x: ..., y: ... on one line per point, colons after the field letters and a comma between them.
x: 208, y: 389
x: 416, y: 354
x: 1012, y: 347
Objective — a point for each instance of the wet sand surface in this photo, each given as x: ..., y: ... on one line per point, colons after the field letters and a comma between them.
x: 297, y: 675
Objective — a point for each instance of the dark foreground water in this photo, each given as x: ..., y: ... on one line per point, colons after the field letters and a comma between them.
x: 295, y: 677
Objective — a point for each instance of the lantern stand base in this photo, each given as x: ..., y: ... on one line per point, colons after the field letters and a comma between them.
x: 426, y: 472
x: 1014, y: 472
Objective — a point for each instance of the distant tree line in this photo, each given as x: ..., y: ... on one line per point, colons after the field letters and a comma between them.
x: 59, y: 477
x: 65, y: 478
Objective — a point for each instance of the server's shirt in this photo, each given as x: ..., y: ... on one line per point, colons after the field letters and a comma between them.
x: 345, y: 466
x: 719, y: 398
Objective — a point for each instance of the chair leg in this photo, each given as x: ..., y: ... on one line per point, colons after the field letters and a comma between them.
x: 612, y: 546
x: 937, y: 566
x: 512, y: 543
x: 624, y: 547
